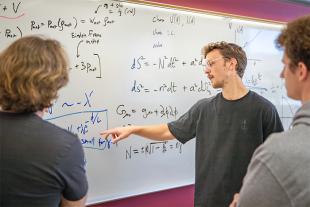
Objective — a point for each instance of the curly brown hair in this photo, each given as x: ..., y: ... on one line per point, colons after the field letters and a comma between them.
x: 295, y: 39
x: 228, y: 50
x: 32, y: 70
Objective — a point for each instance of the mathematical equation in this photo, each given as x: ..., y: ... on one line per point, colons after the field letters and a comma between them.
x: 172, y: 88
x: 78, y: 116
x: 168, y: 112
x: 60, y: 23
x: 153, y: 148
x: 86, y: 125
x: 104, y: 15
x: 165, y: 62
x: 88, y: 66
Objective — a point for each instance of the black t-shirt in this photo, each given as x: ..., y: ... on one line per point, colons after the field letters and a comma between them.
x: 227, y: 133
x: 39, y: 162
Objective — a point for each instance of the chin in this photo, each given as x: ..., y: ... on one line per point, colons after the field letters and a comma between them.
x: 216, y: 86
x: 292, y: 96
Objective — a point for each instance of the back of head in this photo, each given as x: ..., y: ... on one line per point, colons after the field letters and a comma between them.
x: 295, y: 38
x: 228, y: 50
x: 32, y: 70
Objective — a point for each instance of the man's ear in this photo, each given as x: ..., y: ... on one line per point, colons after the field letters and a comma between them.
x: 233, y: 64
x: 303, y: 72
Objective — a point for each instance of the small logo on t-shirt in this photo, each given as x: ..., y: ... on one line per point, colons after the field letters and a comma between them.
x: 244, y: 125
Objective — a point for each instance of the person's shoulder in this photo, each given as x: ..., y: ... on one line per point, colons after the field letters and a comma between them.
x: 285, y: 154
x: 260, y: 100
x: 55, y: 132
x: 206, y: 101
x: 278, y: 145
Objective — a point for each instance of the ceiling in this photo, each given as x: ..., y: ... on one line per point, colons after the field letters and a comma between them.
x: 271, y: 10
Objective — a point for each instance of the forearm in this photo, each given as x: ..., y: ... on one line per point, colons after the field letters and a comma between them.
x: 158, y: 132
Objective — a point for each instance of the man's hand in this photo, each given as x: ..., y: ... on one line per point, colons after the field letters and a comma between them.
x: 235, y: 200
x: 118, y: 133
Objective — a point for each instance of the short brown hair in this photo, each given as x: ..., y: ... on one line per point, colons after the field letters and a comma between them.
x: 228, y: 50
x: 295, y: 38
x: 32, y: 70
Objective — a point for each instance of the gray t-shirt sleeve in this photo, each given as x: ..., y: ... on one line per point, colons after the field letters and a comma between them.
x: 261, y: 187
x: 73, y: 173
x: 184, y: 129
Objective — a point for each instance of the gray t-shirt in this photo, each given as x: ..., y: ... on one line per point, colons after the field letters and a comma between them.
x: 227, y: 133
x: 279, y: 173
x: 39, y: 162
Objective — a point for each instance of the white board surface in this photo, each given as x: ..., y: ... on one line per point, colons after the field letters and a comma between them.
x: 138, y: 64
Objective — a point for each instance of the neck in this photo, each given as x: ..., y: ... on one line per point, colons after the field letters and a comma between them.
x: 40, y: 113
x: 304, y: 92
x: 234, y: 89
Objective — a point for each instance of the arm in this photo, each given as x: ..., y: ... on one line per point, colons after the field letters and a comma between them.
x: 78, y: 203
x: 73, y: 174
x: 271, y: 122
x: 158, y: 132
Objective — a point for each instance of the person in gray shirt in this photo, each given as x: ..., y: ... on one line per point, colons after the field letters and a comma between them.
x: 279, y: 172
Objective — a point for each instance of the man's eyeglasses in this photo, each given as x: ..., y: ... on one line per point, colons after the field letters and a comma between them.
x: 210, y: 63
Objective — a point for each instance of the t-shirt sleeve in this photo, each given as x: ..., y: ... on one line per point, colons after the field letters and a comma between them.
x: 184, y: 128
x: 271, y: 121
x: 73, y: 172
x: 261, y: 187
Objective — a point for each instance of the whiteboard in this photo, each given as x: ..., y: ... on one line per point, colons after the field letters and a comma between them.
x: 139, y: 64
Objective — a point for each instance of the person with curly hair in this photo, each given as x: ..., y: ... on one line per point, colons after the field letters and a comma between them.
x: 278, y: 174
x: 228, y: 127
x: 40, y: 163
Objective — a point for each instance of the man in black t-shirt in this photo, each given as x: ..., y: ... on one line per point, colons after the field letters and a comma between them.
x: 41, y: 165
x: 228, y: 127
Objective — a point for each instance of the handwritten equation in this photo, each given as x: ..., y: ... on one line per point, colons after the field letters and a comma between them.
x: 87, y: 126
x: 85, y: 121
x: 153, y: 148
x: 172, y: 88
x: 168, y: 112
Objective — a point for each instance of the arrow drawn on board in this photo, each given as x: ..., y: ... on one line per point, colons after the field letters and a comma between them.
x: 77, y: 49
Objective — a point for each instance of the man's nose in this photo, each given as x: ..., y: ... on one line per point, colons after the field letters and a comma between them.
x: 207, y: 69
x: 282, y: 73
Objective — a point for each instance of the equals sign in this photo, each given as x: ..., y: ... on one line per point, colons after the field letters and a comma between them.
x: 82, y: 20
x: 171, y: 146
x: 146, y: 90
x: 135, y: 151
